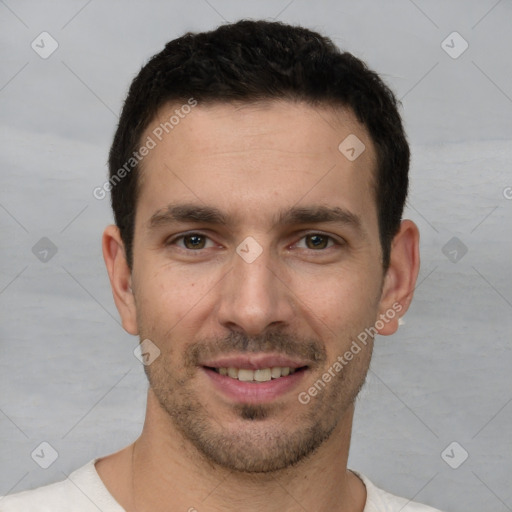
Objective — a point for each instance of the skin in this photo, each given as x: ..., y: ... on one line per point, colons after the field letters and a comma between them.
x: 198, y: 448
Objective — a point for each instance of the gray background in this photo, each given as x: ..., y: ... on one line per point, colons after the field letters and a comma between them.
x: 67, y: 371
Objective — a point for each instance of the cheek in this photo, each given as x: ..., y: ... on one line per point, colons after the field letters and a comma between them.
x: 340, y: 305
x: 169, y: 294
x: 338, y: 292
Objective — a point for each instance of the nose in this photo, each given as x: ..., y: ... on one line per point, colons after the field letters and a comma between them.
x: 254, y: 296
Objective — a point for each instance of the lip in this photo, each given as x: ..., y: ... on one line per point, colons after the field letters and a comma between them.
x: 254, y: 362
x: 254, y: 392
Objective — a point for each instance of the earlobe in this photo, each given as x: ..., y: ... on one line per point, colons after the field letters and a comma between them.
x: 401, y: 276
x: 120, y: 278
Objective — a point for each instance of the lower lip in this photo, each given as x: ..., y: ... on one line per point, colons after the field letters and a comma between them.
x: 254, y: 392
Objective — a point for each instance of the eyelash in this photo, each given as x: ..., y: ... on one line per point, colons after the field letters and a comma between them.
x: 330, y: 238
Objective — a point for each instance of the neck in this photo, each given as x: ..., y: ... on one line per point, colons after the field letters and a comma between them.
x: 168, y: 473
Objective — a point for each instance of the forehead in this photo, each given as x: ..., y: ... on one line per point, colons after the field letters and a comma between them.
x: 244, y: 158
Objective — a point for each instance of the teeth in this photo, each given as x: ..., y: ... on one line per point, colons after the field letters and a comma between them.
x: 245, y: 375
x: 275, y: 372
x: 261, y: 375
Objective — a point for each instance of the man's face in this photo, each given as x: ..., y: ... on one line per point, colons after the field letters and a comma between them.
x: 275, y: 283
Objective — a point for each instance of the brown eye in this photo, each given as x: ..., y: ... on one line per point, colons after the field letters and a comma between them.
x: 317, y: 241
x: 194, y: 241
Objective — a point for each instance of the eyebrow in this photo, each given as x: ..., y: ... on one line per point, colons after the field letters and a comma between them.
x: 201, y: 214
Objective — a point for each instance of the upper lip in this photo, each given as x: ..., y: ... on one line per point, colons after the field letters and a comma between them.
x: 254, y: 362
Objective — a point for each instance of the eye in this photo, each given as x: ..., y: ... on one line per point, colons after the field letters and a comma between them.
x: 317, y: 241
x: 191, y: 241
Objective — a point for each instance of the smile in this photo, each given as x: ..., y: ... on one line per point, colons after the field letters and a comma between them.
x: 260, y: 375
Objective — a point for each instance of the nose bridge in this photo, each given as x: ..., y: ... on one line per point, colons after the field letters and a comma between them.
x: 252, y: 296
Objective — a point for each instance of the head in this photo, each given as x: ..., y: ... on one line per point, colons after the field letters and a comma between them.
x: 245, y: 231
x: 250, y: 61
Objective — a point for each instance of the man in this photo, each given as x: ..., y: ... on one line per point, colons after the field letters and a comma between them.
x: 258, y: 178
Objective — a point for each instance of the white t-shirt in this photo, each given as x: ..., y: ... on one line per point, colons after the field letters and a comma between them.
x: 84, y: 491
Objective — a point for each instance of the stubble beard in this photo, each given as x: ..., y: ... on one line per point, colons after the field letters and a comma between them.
x: 264, y: 439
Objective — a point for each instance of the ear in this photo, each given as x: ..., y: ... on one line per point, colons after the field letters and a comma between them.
x: 120, y: 277
x: 400, y: 278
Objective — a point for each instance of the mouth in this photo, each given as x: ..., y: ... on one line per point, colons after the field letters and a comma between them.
x: 258, y: 375
x: 254, y: 379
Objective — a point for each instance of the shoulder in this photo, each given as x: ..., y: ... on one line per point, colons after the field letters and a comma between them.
x: 81, y: 491
x: 56, y: 497
x: 378, y: 500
